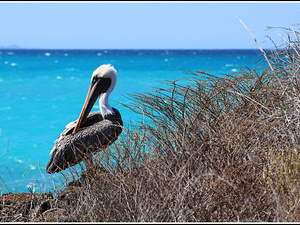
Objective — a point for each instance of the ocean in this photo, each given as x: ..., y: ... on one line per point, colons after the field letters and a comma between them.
x: 41, y: 91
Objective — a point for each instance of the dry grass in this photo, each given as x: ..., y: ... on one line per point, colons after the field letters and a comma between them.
x: 214, y: 149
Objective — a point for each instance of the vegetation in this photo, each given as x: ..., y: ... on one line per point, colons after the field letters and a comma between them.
x: 212, y: 149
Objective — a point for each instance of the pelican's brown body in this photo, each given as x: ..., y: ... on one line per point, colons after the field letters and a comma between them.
x: 93, y: 135
x: 92, y: 131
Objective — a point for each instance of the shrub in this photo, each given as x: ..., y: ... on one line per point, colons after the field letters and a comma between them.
x: 210, y: 149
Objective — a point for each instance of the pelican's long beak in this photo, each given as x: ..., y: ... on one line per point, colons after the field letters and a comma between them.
x: 96, y: 88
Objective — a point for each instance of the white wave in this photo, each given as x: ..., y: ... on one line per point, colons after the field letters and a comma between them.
x: 32, y: 167
x: 47, y: 54
x: 58, y: 77
x: 31, y: 187
x: 13, y: 64
x: 228, y: 65
x: 5, y: 108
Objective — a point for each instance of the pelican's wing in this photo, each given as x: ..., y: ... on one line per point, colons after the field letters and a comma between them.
x: 70, y: 126
x: 93, y: 135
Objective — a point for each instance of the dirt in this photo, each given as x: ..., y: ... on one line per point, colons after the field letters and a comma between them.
x: 20, y: 207
x: 28, y: 207
x: 43, y: 207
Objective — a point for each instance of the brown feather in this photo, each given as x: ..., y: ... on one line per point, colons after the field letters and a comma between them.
x: 93, y: 135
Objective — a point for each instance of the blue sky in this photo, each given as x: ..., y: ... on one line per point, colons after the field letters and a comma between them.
x: 143, y: 25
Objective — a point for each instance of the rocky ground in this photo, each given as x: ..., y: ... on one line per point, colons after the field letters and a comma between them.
x: 22, y: 207
x: 44, y: 207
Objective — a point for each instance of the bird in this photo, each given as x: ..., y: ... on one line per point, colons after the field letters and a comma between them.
x: 91, y: 132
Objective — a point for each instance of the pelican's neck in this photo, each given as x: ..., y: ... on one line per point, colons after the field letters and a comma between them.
x: 104, y: 106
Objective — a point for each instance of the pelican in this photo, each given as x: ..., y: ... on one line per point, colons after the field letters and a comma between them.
x: 92, y: 132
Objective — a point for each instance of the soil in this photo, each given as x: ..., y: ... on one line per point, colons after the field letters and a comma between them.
x: 21, y: 207
x: 43, y: 207
x: 29, y: 207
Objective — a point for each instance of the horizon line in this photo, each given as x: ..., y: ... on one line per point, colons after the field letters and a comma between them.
x: 101, y: 49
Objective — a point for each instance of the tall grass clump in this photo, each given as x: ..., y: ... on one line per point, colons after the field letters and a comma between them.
x: 210, y: 149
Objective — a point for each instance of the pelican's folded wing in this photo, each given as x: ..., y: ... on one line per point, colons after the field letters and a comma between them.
x: 69, y: 127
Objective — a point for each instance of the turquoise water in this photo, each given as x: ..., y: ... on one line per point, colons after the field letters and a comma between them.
x: 43, y: 90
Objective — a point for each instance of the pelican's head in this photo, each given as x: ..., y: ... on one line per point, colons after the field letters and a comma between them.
x: 103, y: 82
x: 105, y: 71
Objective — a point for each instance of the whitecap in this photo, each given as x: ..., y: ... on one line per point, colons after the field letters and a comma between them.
x: 10, y: 53
x: 13, y: 64
x: 5, y: 108
x: 5, y: 62
x: 99, y: 54
x: 234, y: 70
x: 31, y: 187
x: 32, y: 167
x: 47, y: 54
x: 166, y: 60
x: 59, y: 77
x: 228, y: 65
x: 66, y: 54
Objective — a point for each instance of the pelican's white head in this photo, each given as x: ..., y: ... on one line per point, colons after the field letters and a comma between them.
x: 105, y: 71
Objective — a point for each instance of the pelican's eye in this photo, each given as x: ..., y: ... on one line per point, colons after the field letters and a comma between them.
x: 94, y: 80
